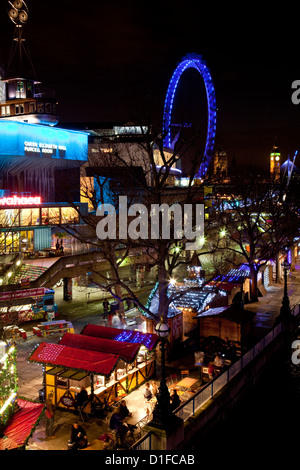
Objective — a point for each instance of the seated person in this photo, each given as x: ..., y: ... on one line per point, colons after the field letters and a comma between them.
x: 175, y: 400
x: 147, y: 392
x: 218, y: 361
x: 211, y: 370
x: 78, y: 437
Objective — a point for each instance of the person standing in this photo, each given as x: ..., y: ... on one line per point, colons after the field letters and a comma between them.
x: 105, y: 307
x: 174, y: 400
x: 50, y: 412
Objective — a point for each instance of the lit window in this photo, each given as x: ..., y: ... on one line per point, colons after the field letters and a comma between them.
x: 32, y: 107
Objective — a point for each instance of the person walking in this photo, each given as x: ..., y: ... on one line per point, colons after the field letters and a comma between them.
x: 50, y: 413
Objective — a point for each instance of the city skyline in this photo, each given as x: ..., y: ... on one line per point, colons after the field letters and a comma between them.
x: 103, y: 62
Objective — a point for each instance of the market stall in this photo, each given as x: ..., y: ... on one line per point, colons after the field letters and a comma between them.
x: 231, y: 322
x: 107, y: 368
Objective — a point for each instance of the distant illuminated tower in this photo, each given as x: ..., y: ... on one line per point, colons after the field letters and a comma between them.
x: 220, y: 164
x: 22, y: 97
x: 275, y: 157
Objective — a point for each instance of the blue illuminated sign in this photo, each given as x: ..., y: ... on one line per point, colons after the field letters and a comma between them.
x: 24, y: 139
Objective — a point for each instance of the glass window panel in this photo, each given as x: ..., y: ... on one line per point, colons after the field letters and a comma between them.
x: 69, y: 215
x: 9, y: 218
x: 30, y: 217
x: 53, y: 215
x: 45, y: 215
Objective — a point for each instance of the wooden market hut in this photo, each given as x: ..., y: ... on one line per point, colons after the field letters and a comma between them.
x: 230, y: 321
x: 108, y: 362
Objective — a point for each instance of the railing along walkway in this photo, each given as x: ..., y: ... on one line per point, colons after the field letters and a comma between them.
x: 189, y: 408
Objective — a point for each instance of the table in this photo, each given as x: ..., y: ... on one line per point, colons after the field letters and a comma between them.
x: 187, y: 382
x: 136, y: 417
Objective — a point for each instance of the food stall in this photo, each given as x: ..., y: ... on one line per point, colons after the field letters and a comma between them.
x: 108, y: 362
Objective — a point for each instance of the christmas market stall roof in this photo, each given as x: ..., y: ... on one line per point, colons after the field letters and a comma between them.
x: 231, y: 312
x: 234, y: 276
x: 74, y: 358
x: 149, y: 340
x: 21, y: 425
x: 94, y: 352
x: 125, y: 350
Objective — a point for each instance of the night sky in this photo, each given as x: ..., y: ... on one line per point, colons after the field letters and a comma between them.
x: 109, y: 61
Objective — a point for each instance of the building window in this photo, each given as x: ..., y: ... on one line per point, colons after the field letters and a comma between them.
x: 17, y: 111
x: 32, y: 107
x: 3, y: 111
x: 48, y: 108
x: 30, y: 217
x: 9, y: 217
x: 69, y: 215
x: 7, y: 110
x: 40, y: 107
x: 54, y: 215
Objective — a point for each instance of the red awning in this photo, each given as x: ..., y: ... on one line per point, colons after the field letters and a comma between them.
x: 126, y: 351
x: 21, y: 425
x: 148, y: 340
x: 74, y: 358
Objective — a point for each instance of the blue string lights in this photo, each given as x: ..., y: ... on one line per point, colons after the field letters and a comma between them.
x: 193, y: 61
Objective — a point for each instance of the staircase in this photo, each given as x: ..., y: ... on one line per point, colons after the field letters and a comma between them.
x: 27, y: 271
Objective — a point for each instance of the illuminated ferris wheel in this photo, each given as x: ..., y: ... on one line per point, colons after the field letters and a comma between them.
x: 192, y: 61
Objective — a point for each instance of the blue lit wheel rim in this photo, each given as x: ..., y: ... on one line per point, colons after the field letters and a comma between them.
x: 193, y: 61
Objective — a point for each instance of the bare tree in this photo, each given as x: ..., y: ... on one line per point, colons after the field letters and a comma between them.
x: 143, y: 170
x: 259, y: 220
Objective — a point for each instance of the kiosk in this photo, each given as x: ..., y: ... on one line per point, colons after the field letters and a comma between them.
x: 107, y: 368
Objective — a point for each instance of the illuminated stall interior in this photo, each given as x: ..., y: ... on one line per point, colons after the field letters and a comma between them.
x: 108, y: 362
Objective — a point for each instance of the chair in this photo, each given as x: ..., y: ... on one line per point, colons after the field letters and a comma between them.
x: 185, y: 373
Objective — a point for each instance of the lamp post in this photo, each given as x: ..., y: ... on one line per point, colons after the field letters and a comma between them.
x: 162, y: 414
x: 285, y: 310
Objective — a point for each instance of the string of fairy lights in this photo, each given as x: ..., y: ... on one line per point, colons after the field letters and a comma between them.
x: 8, y: 380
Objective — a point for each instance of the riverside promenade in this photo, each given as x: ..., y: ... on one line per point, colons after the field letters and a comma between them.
x: 30, y: 375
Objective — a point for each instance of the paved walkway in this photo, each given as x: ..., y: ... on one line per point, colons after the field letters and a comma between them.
x: 30, y: 374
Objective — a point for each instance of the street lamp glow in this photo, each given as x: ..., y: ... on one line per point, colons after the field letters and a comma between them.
x: 173, y: 281
x: 162, y: 329
x: 223, y: 232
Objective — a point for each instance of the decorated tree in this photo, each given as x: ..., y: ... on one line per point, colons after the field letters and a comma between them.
x: 8, y: 381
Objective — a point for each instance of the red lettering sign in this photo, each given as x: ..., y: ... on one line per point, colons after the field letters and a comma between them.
x: 20, y: 201
x: 21, y: 294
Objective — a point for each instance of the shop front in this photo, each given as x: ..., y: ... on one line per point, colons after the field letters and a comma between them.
x: 26, y: 222
x: 108, y: 369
